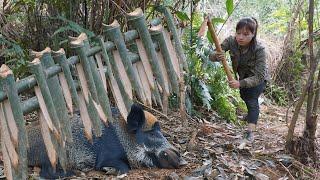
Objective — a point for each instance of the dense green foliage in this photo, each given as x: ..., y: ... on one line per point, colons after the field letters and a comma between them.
x: 35, y: 24
x: 207, y: 80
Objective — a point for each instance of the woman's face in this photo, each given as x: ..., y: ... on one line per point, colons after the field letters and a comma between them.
x: 244, y: 36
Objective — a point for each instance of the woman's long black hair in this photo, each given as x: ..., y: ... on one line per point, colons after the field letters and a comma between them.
x: 251, y: 24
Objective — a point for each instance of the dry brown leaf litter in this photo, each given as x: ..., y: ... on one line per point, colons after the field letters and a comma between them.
x: 211, y: 147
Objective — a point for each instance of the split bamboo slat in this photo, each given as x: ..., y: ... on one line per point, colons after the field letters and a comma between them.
x: 13, y: 107
x: 60, y: 58
x: 101, y: 71
x: 85, y: 117
x: 66, y: 92
x: 45, y: 132
x: 36, y: 68
x: 139, y: 65
x: 113, y: 32
x: 137, y: 20
x: 123, y: 75
x: 56, y: 93
x: 122, y: 100
x: 172, y: 53
x: 143, y: 80
x: 145, y: 61
x: 13, y: 128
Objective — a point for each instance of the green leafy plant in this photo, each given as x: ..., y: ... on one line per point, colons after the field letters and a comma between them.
x: 278, y: 94
x: 14, y: 55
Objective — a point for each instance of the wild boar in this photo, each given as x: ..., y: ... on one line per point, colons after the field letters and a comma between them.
x: 123, y: 145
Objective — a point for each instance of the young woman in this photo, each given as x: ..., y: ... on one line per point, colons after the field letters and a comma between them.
x: 249, y: 65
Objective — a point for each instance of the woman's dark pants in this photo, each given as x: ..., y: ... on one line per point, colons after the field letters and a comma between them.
x: 250, y: 96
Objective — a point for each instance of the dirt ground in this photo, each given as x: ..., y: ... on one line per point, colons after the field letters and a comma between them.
x: 215, y: 149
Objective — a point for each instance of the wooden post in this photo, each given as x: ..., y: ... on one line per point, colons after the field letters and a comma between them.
x: 78, y: 45
x: 56, y: 94
x: 60, y: 58
x: 113, y: 32
x: 138, y: 21
x: 127, y: 100
x: 158, y: 35
x: 219, y: 49
x: 15, y: 103
x: 103, y: 98
x: 36, y: 68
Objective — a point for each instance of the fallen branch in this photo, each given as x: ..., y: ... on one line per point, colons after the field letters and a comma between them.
x: 287, y: 170
x: 154, y: 110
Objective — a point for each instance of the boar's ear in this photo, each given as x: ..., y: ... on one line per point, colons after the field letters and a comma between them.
x: 135, y: 119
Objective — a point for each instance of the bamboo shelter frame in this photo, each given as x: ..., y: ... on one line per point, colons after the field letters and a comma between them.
x: 59, y: 91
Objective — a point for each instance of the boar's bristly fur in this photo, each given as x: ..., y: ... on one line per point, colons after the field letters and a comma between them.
x: 123, y: 145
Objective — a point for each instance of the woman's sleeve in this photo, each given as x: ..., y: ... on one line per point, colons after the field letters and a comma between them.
x: 259, y: 71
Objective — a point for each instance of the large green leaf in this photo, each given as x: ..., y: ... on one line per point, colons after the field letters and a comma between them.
x: 182, y: 16
x: 218, y: 20
x: 229, y: 6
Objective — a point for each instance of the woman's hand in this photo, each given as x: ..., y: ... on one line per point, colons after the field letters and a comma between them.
x: 220, y: 56
x: 234, y: 84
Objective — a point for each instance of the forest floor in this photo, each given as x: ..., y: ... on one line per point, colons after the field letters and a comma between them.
x: 214, y: 149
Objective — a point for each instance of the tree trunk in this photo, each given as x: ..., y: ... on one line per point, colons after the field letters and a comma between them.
x: 281, y: 75
x: 304, y: 147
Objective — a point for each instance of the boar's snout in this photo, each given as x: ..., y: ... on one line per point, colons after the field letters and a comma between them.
x: 171, y: 159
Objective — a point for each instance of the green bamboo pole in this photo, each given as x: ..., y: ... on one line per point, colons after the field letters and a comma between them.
x: 158, y: 35
x: 32, y: 104
x: 57, y: 95
x: 137, y: 20
x: 79, y: 47
x: 130, y: 36
x: 113, y: 32
x: 60, y: 58
x: 102, y: 94
x: 36, y: 68
x: 15, y: 103
x: 77, y: 43
x: 127, y: 100
x: 30, y: 81
x: 181, y: 57
x: 176, y: 38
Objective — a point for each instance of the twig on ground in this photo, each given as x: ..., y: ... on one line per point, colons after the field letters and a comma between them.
x: 191, y: 143
x: 287, y: 170
x: 154, y: 110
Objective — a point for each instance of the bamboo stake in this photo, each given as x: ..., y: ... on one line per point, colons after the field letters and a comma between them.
x: 219, y: 49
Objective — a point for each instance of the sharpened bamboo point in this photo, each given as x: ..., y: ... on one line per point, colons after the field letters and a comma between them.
x: 35, y: 61
x: 136, y: 12
x: 59, y: 52
x: 156, y: 28
x: 39, y: 54
x: 82, y: 36
x: 76, y: 43
x: 5, y: 71
x: 114, y: 24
